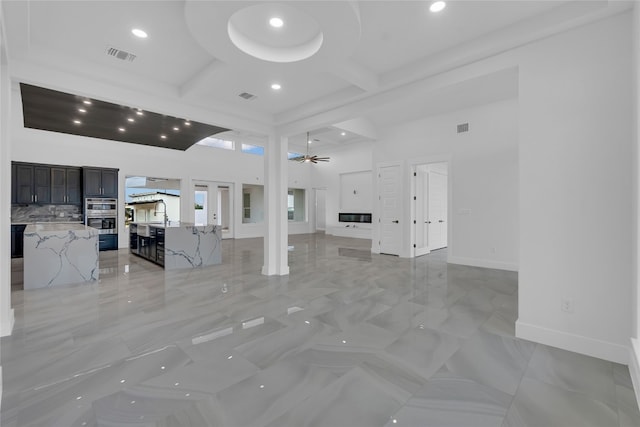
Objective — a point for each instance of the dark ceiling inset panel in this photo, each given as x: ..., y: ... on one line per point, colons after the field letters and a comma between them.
x: 47, y: 109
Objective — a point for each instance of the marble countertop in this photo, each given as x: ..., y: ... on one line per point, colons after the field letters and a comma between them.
x: 172, y: 224
x: 57, y: 226
x: 45, y: 222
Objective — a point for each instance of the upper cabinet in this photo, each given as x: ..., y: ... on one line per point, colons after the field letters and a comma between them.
x: 66, y: 185
x: 99, y: 182
x: 32, y: 183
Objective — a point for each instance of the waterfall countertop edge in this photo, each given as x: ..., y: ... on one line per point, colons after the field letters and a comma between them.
x: 52, y: 227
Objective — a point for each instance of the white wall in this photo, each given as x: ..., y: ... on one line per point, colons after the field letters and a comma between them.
x: 575, y: 189
x: 355, y: 157
x: 483, y: 174
x: 356, y: 192
x: 634, y: 362
x: 6, y: 312
x: 197, y: 163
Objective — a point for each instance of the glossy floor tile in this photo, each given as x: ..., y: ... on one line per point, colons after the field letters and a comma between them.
x: 349, y: 338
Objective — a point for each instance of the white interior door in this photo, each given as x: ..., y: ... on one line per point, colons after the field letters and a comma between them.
x: 225, y: 211
x: 421, y: 211
x: 437, y: 207
x: 213, y: 205
x: 201, y: 204
x: 390, y: 209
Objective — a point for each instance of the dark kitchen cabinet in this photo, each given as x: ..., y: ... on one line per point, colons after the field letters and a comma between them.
x: 17, y: 240
x: 32, y: 183
x: 66, y: 185
x: 100, y: 182
x: 13, y: 184
x: 107, y: 242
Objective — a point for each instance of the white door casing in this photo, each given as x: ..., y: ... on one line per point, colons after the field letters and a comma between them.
x: 321, y: 210
x: 421, y: 215
x: 390, y: 209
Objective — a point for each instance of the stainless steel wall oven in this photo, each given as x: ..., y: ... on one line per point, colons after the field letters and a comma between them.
x: 102, y: 213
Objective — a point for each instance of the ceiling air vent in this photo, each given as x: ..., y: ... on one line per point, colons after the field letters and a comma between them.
x: 248, y: 96
x: 120, y: 54
x: 464, y: 127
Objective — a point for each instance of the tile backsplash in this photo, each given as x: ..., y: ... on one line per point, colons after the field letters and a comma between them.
x: 46, y: 213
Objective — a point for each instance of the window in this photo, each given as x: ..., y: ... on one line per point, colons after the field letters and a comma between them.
x: 252, y: 203
x: 217, y: 143
x: 253, y: 149
x: 295, y: 205
x: 246, y: 206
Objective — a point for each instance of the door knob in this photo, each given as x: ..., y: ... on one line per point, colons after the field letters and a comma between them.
x: 427, y: 222
x: 395, y: 221
x: 440, y: 220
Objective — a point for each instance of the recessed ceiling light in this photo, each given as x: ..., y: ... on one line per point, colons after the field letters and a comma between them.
x: 139, y: 112
x: 131, y: 119
x: 437, y: 6
x: 78, y: 122
x: 276, y: 86
x: 163, y: 136
x: 176, y: 128
x: 82, y: 110
x: 87, y: 102
x: 343, y: 134
x: 139, y: 33
x: 276, y: 22
x: 187, y: 123
x: 121, y: 129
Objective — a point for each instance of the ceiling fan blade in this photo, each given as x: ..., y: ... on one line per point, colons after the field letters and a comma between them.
x: 297, y: 159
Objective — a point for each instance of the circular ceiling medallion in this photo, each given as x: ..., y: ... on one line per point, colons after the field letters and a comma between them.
x: 298, y: 36
x: 309, y: 35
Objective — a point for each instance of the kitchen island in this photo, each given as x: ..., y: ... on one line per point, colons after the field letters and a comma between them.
x: 176, y: 245
x: 59, y: 254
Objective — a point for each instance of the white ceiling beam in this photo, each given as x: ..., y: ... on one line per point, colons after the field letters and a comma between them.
x: 359, y: 126
x: 198, y: 82
x: 356, y: 74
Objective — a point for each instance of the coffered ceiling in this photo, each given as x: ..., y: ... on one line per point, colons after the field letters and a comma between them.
x: 327, y: 55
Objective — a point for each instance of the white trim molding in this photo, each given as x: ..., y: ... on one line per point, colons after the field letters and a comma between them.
x: 7, y: 325
x: 634, y: 366
x: 577, y: 343
x: 485, y: 263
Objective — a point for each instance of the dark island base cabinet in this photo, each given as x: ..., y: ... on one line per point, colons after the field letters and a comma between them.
x: 148, y: 247
x: 17, y: 240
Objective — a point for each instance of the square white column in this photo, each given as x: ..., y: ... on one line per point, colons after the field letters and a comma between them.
x: 275, y: 190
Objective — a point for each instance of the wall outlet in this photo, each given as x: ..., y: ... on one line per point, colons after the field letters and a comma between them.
x: 566, y: 305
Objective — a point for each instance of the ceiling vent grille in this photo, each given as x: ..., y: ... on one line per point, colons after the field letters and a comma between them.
x: 120, y: 54
x: 464, y: 127
x: 248, y: 96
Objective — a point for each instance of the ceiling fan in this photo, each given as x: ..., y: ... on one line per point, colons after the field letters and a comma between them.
x: 308, y: 158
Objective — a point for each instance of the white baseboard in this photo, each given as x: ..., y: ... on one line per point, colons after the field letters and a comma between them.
x: 485, y: 263
x: 7, y: 327
x: 634, y: 366
x: 577, y: 343
x: 355, y: 232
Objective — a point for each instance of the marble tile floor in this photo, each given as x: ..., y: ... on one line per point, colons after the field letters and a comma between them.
x: 347, y: 339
